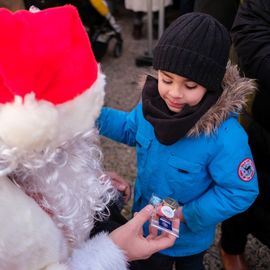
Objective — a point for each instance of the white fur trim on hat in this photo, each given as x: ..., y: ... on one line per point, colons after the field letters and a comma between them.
x: 34, y: 124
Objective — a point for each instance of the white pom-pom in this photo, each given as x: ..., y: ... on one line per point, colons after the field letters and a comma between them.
x: 28, y: 125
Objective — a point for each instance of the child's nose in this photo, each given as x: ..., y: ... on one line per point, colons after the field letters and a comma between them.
x: 177, y: 93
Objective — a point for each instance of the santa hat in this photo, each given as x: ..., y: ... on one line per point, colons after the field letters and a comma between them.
x: 50, y: 84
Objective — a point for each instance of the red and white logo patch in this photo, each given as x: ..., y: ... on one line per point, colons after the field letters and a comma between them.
x: 246, y: 170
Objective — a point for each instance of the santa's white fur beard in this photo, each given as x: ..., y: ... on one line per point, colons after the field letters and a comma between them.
x: 67, y: 182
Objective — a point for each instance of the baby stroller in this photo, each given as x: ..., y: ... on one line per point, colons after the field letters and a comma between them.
x: 101, y: 27
x: 98, y: 21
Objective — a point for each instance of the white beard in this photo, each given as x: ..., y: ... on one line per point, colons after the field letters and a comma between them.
x: 67, y: 182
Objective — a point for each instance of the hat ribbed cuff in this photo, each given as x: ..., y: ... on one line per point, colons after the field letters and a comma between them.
x: 193, y: 66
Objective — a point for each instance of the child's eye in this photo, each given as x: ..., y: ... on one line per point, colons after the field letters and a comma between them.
x: 191, y: 86
x: 166, y: 81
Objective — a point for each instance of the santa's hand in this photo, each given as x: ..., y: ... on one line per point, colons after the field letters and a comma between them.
x: 121, y: 185
x: 129, y: 237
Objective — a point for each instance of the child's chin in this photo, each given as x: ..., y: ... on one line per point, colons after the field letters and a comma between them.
x: 175, y: 110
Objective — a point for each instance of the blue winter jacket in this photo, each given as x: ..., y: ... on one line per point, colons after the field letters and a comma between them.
x: 210, y: 175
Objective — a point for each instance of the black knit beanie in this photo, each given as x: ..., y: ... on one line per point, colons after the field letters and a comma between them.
x: 195, y: 46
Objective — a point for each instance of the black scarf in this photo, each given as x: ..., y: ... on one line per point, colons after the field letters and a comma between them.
x: 169, y: 126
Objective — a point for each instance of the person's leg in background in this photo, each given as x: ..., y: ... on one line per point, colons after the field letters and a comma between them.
x: 137, y: 24
x: 233, y: 241
x: 260, y: 210
x: 256, y: 220
x: 186, y: 6
x: 223, y: 11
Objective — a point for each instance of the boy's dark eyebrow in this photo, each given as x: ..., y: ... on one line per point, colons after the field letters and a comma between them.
x: 165, y: 73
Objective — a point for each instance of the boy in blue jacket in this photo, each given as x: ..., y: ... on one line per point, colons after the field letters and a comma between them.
x: 189, y: 144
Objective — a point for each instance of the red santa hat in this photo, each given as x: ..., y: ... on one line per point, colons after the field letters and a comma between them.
x: 50, y: 84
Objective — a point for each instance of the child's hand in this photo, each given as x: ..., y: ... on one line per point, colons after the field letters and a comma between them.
x: 121, y: 185
x: 129, y: 237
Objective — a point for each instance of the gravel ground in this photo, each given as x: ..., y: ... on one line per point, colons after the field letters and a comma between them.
x: 122, y: 92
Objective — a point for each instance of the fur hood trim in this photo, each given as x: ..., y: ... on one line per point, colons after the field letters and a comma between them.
x: 235, y: 96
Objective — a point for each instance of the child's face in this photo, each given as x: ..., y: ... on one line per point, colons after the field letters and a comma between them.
x: 178, y: 91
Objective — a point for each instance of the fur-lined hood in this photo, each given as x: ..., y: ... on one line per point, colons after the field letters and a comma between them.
x: 237, y: 91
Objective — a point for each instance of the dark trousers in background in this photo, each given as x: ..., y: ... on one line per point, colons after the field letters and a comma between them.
x: 236, y: 229
x: 255, y: 221
x: 186, y: 6
x: 162, y: 262
x: 223, y: 10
